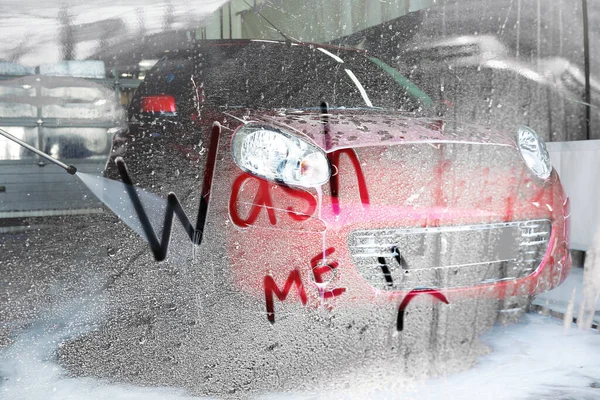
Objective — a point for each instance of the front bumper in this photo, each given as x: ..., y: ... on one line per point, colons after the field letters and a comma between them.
x: 452, y: 225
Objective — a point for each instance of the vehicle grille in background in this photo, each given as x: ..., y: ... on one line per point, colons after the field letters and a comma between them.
x: 449, y: 257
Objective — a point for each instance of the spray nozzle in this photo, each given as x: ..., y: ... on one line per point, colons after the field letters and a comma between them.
x: 69, y: 168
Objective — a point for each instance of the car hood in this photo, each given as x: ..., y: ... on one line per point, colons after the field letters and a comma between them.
x: 348, y: 129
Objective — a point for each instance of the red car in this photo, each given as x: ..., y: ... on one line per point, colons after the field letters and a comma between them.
x: 335, y: 187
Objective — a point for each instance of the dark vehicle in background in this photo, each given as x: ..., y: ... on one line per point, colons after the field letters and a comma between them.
x: 329, y: 149
x: 186, y: 90
x: 465, y: 73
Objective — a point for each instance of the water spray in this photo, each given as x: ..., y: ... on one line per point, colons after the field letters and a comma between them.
x: 69, y: 168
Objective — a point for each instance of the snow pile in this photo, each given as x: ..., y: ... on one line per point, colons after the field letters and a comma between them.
x: 29, y: 371
x: 534, y: 359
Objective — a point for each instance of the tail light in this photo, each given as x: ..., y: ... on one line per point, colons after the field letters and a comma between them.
x: 164, y: 104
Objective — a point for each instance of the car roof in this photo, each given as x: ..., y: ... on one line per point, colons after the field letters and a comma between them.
x: 125, y: 56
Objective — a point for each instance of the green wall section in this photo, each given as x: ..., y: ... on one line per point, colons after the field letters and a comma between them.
x: 329, y: 19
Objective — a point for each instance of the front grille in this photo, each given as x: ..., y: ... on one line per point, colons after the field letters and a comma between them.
x: 449, y: 257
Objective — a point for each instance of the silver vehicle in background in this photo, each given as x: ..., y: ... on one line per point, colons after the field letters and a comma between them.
x: 66, y: 110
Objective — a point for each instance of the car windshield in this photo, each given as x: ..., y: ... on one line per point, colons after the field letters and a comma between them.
x: 303, y: 77
x: 291, y: 199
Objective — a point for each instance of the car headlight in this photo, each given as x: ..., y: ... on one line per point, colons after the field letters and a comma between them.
x: 273, y: 154
x: 534, y: 152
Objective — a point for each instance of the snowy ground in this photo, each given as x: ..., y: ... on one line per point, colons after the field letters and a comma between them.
x: 558, y: 299
x: 534, y: 359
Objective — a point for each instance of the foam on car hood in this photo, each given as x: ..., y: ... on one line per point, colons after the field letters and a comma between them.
x: 345, y: 129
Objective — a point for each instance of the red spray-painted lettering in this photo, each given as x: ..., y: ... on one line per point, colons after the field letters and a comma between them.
x: 263, y: 199
x: 328, y: 267
x: 334, y: 183
x: 411, y: 295
x: 272, y: 288
x: 294, y: 278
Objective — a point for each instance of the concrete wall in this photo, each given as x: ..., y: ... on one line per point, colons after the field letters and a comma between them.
x: 578, y: 164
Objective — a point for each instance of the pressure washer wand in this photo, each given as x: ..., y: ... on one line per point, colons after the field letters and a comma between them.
x: 69, y: 168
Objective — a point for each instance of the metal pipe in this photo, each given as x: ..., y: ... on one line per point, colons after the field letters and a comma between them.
x: 69, y: 168
x: 221, y: 20
x: 586, y: 65
x: 230, y: 27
